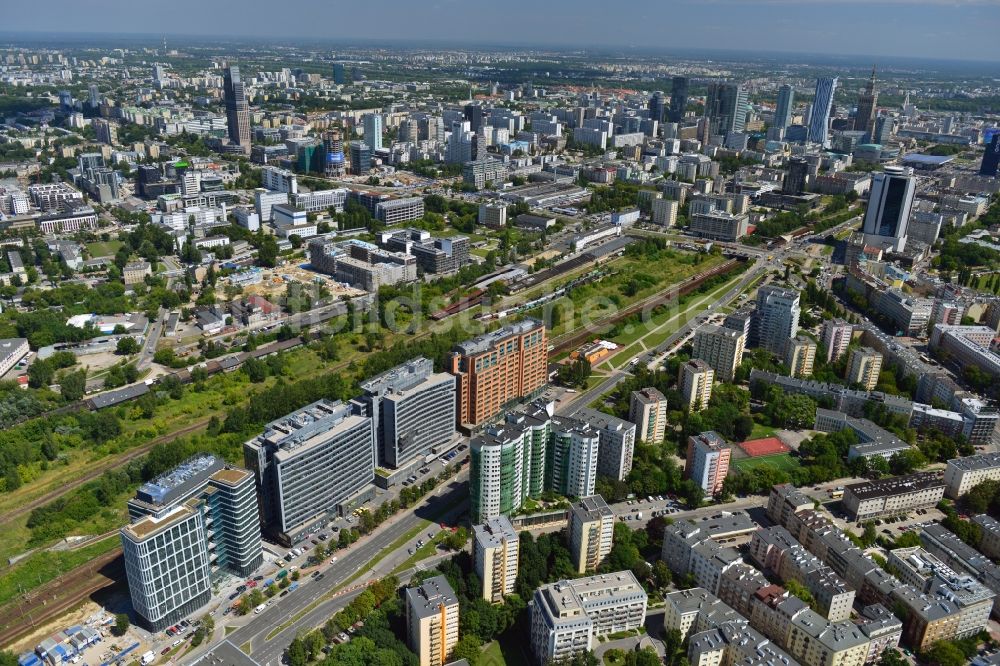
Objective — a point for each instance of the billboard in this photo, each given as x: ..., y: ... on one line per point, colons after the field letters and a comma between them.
x: 334, y: 158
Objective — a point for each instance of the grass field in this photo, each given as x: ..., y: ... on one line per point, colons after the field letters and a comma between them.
x: 761, y: 431
x: 43, y: 567
x: 105, y: 249
x: 631, y: 281
x: 492, y: 656
x: 782, y: 461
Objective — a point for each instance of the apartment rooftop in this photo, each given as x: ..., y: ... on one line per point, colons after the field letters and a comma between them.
x: 488, y: 341
x: 978, y: 461
x: 896, y: 485
x: 426, y: 599
x: 494, y: 532
x: 602, y: 421
x: 592, y: 507
x: 726, y: 524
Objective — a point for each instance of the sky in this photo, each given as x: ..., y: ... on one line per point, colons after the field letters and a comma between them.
x: 935, y: 29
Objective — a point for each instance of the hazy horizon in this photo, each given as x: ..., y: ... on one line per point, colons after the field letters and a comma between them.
x: 940, y: 30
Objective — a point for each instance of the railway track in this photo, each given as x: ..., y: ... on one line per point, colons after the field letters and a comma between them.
x: 40, y: 606
x: 574, y: 338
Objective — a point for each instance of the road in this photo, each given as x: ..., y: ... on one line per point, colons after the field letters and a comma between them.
x: 152, y: 338
x: 266, y: 652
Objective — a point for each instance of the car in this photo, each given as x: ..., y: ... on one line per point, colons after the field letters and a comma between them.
x: 166, y: 650
x: 176, y: 643
x: 322, y: 537
x: 185, y: 623
x: 283, y: 593
x: 258, y: 578
x: 321, y: 576
x: 314, y: 574
x: 409, y: 551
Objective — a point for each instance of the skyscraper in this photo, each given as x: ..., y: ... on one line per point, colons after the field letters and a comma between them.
x: 783, y: 113
x: 237, y: 110
x: 819, y: 123
x: 333, y: 145
x: 361, y: 158
x: 991, y: 158
x: 864, y: 120
x: 889, y: 205
x: 373, y: 130
x: 339, y: 74
x: 656, y: 106
x: 883, y: 129
x: 726, y: 107
x: 678, y: 98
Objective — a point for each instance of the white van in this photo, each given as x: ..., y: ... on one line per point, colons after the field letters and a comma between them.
x: 148, y: 658
x: 259, y: 609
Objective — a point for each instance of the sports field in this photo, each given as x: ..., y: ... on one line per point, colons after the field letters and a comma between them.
x: 780, y: 461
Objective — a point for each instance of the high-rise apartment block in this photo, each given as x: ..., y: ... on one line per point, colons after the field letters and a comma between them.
x: 566, y: 617
x: 432, y: 621
x: 187, y: 524
x: 571, y: 458
x: 800, y: 356
x: 413, y: 409
x: 616, y: 442
x: 508, y: 462
x: 837, y: 335
x: 889, y: 204
x: 311, y: 464
x: 499, y: 368
x: 863, y: 367
x: 695, y: 381
x: 707, y: 461
x: 776, y: 319
x: 648, y: 411
x: 237, y: 109
x: 495, y: 552
x: 721, y: 348
x: 591, y: 528
x: 665, y: 212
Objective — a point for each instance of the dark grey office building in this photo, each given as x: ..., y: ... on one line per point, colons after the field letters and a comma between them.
x: 991, y: 159
x: 678, y: 98
x: 413, y: 409
x: 237, y: 109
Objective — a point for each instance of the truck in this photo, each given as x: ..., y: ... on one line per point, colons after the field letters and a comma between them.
x: 282, y: 574
x: 148, y: 658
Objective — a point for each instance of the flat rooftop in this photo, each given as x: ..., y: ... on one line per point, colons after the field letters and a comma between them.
x: 897, y: 485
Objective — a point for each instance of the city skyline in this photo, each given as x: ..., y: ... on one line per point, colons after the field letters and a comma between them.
x: 930, y: 28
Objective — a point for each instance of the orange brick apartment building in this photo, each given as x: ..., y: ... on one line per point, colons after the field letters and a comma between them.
x: 497, y: 368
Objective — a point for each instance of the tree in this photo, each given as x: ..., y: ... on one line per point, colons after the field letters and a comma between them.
x: 121, y: 624
x: 127, y: 346
x: 296, y: 653
x: 944, y: 653
x: 468, y: 648
x: 73, y: 385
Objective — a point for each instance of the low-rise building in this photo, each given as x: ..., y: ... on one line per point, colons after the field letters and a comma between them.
x: 963, y: 474
x: 12, y: 350
x: 892, y: 496
x: 136, y: 271
x: 873, y: 440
